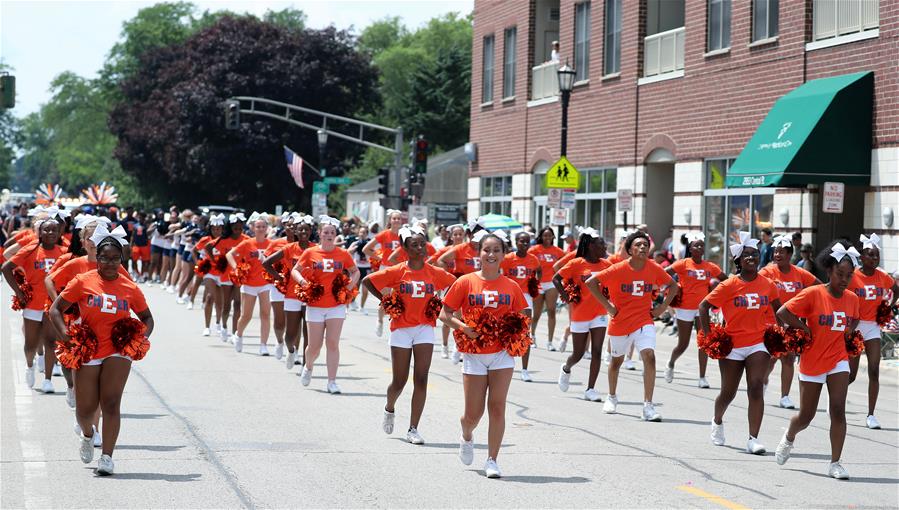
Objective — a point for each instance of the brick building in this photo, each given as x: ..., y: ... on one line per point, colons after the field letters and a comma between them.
x: 669, y: 93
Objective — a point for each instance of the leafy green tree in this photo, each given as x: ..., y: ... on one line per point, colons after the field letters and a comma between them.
x: 293, y: 20
x: 382, y: 35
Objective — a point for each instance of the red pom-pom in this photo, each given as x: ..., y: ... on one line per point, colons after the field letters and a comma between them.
x: 717, y: 344
x: 203, y: 267
x: 393, y: 305
x: 884, y: 314
x: 281, y: 283
x: 678, y: 299
x: 514, y: 332
x: 26, y: 289
x: 573, y: 290
x: 125, y: 331
x: 774, y: 341
x: 533, y: 287
x: 796, y: 341
x: 241, y: 274
x: 310, y: 292
x: 485, y: 326
x: 79, y: 349
x: 221, y: 263
x: 433, y: 308
x: 341, y: 291
x: 855, y: 344
x: 278, y: 267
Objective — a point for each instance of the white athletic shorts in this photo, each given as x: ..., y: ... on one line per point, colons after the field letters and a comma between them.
x: 869, y: 330
x: 254, y: 290
x: 99, y: 361
x: 317, y: 314
x: 682, y: 314
x: 33, y: 315
x: 293, y: 305
x: 545, y: 286
x: 224, y: 281
x: 841, y: 366
x: 480, y: 364
x: 275, y: 294
x: 415, y: 335
x: 643, y: 338
x: 741, y: 353
x: 600, y: 321
x: 212, y: 277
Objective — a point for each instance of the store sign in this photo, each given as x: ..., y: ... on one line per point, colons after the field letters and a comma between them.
x: 554, y: 198
x: 832, y: 195
x: 558, y: 216
x: 418, y: 212
x: 568, y: 198
x: 625, y: 200
x: 563, y: 175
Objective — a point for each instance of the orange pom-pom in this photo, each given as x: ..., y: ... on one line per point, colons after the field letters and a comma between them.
x: 573, y: 290
x: 514, y: 333
x: 341, y: 291
x: 26, y: 289
x: 393, y: 305
x: 485, y: 326
x: 310, y: 292
x: 774, y: 341
x: 796, y: 341
x: 221, y: 263
x: 855, y: 344
x: 678, y: 299
x: 717, y: 344
x: 884, y: 314
x: 433, y: 308
x: 241, y: 274
x: 79, y: 349
x: 533, y: 287
x: 203, y: 267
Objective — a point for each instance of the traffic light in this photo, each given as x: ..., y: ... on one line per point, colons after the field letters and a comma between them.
x: 421, y: 156
x: 232, y: 114
x: 7, y: 91
x: 384, y: 181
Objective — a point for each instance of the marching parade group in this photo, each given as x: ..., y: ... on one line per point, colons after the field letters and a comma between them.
x: 85, y: 315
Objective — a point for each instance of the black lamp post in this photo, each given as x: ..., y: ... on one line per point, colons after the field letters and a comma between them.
x: 566, y: 83
x: 322, y: 142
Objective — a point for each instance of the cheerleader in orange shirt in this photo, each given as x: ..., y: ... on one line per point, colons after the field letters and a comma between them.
x: 210, y: 280
x: 227, y: 296
x: 464, y: 259
x: 521, y: 266
x: 251, y: 252
x: 548, y: 254
x: 457, y: 237
x: 389, y: 240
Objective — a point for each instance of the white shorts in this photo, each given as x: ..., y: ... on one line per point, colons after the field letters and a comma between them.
x: 99, y: 361
x: 254, y: 290
x: 480, y: 364
x: 275, y: 294
x: 415, y: 335
x: 741, y: 353
x: 682, y: 314
x: 545, y: 286
x: 841, y: 366
x: 869, y: 330
x: 644, y: 338
x: 530, y: 301
x: 293, y: 305
x: 600, y: 321
x: 317, y: 314
x: 223, y: 281
x: 33, y: 315
x: 212, y: 277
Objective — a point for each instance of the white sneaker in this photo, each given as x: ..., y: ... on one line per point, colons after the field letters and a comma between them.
x: 650, y: 413
x: 491, y: 469
x: 755, y: 447
x: 387, y: 422
x: 105, y: 466
x: 305, y: 376
x: 457, y: 357
x: 787, y: 403
x: 333, y: 388
x: 57, y: 370
x: 263, y: 350
x: 238, y: 343
x: 39, y: 361
x: 703, y: 382
x: 444, y: 352
x: 379, y: 329
x: 592, y: 395
x: 466, y: 451
x: 587, y: 355
x: 564, y: 378
x: 98, y: 439
x: 872, y: 422
x: 47, y: 386
x: 525, y: 376
x: 170, y: 289
x: 534, y: 344
x: 224, y: 335
x: 414, y: 437
x: 550, y: 347
x: 669, y: 374
x: 190, y: 305
x: 717, y: 434
x: 77, y: 428
x: 365, y: 312
x: 206, y: 331
x: 611, y: 405
x: 629, y: 364
x: 838, y: 471
x: 180, y: 300
x: 70, y: 397
x: 279, y: 352
x: 563, y: 344
x: 86, y: 448
x: 606, y: 358
x: 217, y: 328
x: 29, y: 376
x: 291, y: 358
x: 782, y: 453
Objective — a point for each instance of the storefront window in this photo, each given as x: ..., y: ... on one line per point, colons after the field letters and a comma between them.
x: 496, y: 195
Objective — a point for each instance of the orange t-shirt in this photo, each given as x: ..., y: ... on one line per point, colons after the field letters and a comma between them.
x: 101, y: 303
x: 694, y: 280
x: 631, y: 293
x: 871, y: 290
x: 65, y: 271
x: 568, y: 257
x: 520, y: 269
x: 415, y: 288
x: 580, y: 271
x: 322, y: 266
x: 292, y: 252
x: 547, y: 257
x: 435, y: 257
x: 37, y: 263
x: 221, y: 246
x: 827, y: 317
x: 615, y: 258
x: 788, y: 284
x: 466, y: 258
x: 497, y: 297
x: 404, y: 257
x: 24, y: 237
x: 201, y: 246
x: 389, y: 242
x: 275, y: 245
x: 746, y: 307
x: 252, y: 251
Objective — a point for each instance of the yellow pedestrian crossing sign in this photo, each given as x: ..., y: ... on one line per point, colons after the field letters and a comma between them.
x: 563, y: 175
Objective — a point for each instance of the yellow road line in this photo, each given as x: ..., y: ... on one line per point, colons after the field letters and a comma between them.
x: 711, y: 497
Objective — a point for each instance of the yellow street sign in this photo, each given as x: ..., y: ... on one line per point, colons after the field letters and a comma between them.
x: 563, y: 175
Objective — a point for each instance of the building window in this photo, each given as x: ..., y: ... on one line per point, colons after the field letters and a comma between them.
x: 764, y: 19
x: 730, y: 211
x: 487, y: 78
x: 509, y: 62
x: 595, y: 201
x: 496, y: 195
x: 582, y: 41
x: 612, y: 43
x: 834, y: 18
x: 719, y: 25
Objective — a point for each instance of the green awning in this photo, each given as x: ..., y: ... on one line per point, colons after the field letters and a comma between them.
x: 819, y: 132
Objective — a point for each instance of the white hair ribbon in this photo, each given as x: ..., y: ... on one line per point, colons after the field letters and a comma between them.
x: 83, y: 220
x: 745, y: 242
x: 234, y: 218
x: 692, y: 237
x: 37, y: 210
x: 870, y: 242
x: 481, y: 234
x: 782, y: 242
x: 391, y: 211
x: 258, y: 216
x: 324, y: 219
x: 217, y: 220
x: 102, y: 233
x: 457, y: 225
x: 839, y: 251
x: 589, y: 231
x: 54, y: 212
x: 407, y: 232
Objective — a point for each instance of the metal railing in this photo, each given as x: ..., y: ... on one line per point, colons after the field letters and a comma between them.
x: 663, y: 52
x: 544, y: 81
x: 833, y: 18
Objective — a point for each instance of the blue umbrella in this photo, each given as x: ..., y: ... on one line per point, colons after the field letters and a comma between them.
x: 498, y: 221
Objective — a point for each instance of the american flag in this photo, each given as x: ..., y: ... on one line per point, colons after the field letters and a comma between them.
x: 295, y: 165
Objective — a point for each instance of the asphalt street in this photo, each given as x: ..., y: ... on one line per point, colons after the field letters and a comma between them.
x: 205, y: 427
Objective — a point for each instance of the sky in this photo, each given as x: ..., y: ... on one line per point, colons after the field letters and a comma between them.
x: 40, y: 39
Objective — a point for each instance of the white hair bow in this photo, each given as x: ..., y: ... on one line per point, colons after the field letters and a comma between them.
x: 782, y: 242
x: 407, y: 232
x: 234, y: 218
x: 54, y: 211
x: 870, y: 242
x: 83, y: 220
x: 217, y: 220
x: 258, y: 216
x: 457, y: 225
x: 478, y: 222
x: 481, y: 234
x: 391, y: 211
x: 35, y: 211
x: 589, y: 231
x: 745, y: 242
x: 692, y: 237
x: 324, y: 219
x: 285, y: 216
x: 839, y: 251
x: 102, y: 233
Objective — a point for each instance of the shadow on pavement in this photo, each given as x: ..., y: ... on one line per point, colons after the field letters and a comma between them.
x: 138, y: 416
x: 149, y: 447
x: 190, y: 477
x: 540, y: 479
x: 891, y: 481
x: 351, y: 394
x: 452, y: 446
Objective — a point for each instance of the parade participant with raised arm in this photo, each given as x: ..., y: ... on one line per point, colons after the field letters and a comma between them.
x: 210, y: 279
x: 389, y: 240
x: 245, y: 260
x: 232, y: 235
x: 462, y: 259
x: 548, y: 254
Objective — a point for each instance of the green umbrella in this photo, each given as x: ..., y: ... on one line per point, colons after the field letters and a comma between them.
x: 498, y: 221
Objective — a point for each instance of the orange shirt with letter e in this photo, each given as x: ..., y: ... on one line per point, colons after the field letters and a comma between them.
x: 389, y: 242
x: 466, y: 258
x: 497, y: 297
x: 64, y: 272
x: 746, y: 307
x: 631, y: 293
x: 415, y: 288
x: 520, y: 269
x: 871, y: 290
x: 402, y: 256
x: 220, y: 247
x: 788, y: 284
x: 547, y: 257
x: 580, y: 271
x: 828, y: 318
x: 37, y: 263
x: 253, y: 252
x: 292, y: 252
x: 101, y: 303
x: 694, y: 280
x: 322, y: 267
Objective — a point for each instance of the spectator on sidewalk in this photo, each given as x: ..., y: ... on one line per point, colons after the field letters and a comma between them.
x: 766, y: 252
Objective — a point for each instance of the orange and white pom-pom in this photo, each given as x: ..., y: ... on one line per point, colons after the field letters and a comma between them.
x: 79, y: 349
x: 717, y: 344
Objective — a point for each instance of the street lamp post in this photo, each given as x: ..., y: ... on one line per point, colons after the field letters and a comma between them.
x: 322, y: 142
x: 566, y: 83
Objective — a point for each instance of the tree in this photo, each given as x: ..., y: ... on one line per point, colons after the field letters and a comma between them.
x: 294, y: 20
x: 381, y: 35
x: 169, y: 126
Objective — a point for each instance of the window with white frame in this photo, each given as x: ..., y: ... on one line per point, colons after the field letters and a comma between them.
x: 582, y: 41
x: 612, y: 42
x: 718, y: 25
x: 729, y: 211
x: 496, y: 195
x: 833, y: 18
x: 765, y: 14
x: 509, y: 62
x: 595, y: 201
x: 487, y: 76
